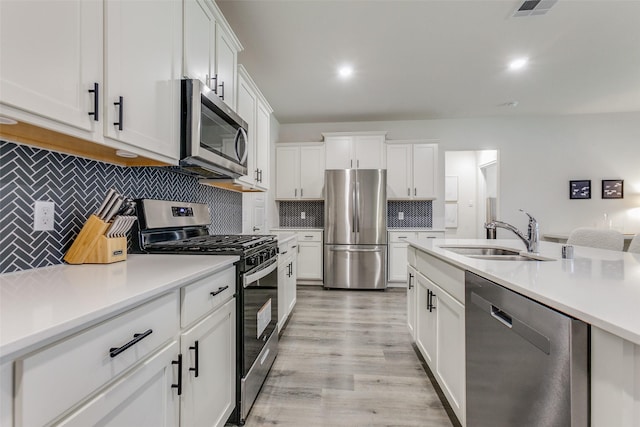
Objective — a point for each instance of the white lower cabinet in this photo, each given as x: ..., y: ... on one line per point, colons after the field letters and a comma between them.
x: 439, y: 325
x: 411, y: 301
x: 131, y: 370
x: 86, y: 362
x: 287, y: 286
x: 615, y: 380
x: 142, y: 397
x: 398, y: 251
x: 309, y: 262
x: 209, y: 357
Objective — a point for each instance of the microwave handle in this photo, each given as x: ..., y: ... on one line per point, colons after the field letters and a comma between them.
x: 241, y: 133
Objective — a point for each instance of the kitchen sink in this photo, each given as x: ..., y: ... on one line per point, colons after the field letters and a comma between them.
x: 494, y: 253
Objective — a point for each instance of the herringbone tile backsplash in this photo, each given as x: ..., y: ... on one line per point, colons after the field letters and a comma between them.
x: 77, y: 186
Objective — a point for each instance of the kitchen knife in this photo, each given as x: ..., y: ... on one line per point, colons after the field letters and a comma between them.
x: 107, y: 209
x: 105, y: 202
x: 114, y: 209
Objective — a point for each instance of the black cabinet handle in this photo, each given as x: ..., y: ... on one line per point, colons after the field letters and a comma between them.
x: 214, y: 86
x: 195, y: 347
x: 430, y: 305
x: 114, y: 351
x: 260, y: 175
x: 120, y: 103
x: 415, y: 191
x: 410, y: 279
x: 221, y: 86
x: 214, y: 293
x: 179, y: 363
x: 96, y: 102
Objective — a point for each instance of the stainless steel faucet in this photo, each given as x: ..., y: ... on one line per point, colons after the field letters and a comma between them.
x: 531, y: 241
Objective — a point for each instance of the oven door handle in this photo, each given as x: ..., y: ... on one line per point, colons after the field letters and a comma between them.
x: 250, y: 278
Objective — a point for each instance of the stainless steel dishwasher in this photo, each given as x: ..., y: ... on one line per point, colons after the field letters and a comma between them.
x: 526, y: 364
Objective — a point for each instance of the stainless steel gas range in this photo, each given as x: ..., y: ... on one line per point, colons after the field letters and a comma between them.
x: 181, y: 228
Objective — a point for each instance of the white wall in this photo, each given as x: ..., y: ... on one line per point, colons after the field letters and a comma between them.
x: 538, y: 157
x: 272, y: 219
x: 463, y: 165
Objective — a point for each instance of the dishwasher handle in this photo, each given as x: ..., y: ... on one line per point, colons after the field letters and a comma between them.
x: 501, y: 316
x: 513, y: 323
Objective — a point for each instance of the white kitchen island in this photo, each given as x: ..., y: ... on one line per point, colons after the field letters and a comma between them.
x: 599, y: 287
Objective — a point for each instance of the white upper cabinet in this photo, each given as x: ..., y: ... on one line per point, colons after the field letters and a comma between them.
x: 255, y: 110
x: 299, y: 171
x: 199, y: 43
x: 351, y: 150
x: 226, y: 66
x: 50, y: 58
x: 210, y: 49
x: 411, y: 171
x: 142, y: 65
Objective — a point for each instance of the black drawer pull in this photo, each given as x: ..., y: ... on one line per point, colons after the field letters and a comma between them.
x: 214, y: 293
x: 221, y: 86
x: 195, y: 347
x: 179, y: 363
x: 114, y: 351
x: 120, y: 103
x: 96, y: 102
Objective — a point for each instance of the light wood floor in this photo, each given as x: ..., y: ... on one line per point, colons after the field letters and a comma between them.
x: 346, y: 359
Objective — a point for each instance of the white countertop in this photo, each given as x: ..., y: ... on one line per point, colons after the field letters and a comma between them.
x: 42, y: 305
x: 565, y: 235
x: 598, y: 286
x: 296, y: 229
x: 414, y: 229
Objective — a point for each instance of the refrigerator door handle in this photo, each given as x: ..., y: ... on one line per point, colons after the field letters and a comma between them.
x: 357, y: 207
x: 355, y: 250
x: 355, y: 211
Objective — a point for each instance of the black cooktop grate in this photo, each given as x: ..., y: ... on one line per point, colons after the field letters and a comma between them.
x: 216, y: 243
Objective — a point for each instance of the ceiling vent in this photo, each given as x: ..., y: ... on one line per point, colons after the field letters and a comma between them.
x: 534, y: 7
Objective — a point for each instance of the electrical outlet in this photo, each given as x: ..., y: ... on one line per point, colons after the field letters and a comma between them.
x: 43, y: 216
x: 401, y: 216
x: 303, y: 215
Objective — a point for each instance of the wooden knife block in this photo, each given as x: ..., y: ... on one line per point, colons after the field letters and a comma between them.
x: 91, y: 246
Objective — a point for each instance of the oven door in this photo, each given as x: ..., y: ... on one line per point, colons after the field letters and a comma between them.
x: 260, y: 310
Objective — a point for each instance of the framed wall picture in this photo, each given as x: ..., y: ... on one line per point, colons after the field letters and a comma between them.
x: 450, y: 188
x: 451, y: 215
x: 580, y: 189
x: 612, y: 189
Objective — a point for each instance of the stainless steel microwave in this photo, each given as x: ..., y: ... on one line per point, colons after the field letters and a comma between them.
x: 213, y: 138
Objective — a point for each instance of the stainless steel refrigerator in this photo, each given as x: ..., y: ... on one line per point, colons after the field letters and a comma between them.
x: 355, y: 231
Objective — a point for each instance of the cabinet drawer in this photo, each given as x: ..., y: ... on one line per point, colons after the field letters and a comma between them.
x: 52, y: 380
x: 310, y: 236
x: 284, y: 248
x: 401, y: 236
x: 430, y: 234
x: 200, y: 297
x: 445, y: 275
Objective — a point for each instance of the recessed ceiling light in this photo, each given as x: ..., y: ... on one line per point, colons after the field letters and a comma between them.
x: 518, y: 64
x: 345, y: 71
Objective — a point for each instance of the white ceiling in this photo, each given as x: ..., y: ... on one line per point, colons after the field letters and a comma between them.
x: 438, y: 59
